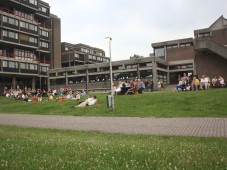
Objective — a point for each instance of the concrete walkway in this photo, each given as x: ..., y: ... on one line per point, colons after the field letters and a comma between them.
x: 203, y: 127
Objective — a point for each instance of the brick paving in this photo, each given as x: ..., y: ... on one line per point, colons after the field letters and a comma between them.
x: 201, y: 127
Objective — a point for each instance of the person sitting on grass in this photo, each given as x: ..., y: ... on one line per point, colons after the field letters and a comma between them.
x: 91, y: 100
x: 76, y: 97
x: 50, y: 97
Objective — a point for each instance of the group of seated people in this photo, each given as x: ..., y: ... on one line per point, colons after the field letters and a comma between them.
x: 133, y: 87
x: 52, y: 95
x: 188, y: 83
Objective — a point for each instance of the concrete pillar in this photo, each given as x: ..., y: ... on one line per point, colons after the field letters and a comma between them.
x: 33, y: 83
x: 87, y: 79
x: 48, y: 83
x: 168, y: 76
x: 14, y: 82
x: 194, y: 68
x: 66, y: 79
x: 138, y: 70
x: 154, y: 74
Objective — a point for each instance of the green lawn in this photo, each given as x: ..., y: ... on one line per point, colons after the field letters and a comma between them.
x: 210, y: 103
x: 27, y: 148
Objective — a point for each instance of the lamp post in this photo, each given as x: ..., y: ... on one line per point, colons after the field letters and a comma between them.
x: 109, y: 40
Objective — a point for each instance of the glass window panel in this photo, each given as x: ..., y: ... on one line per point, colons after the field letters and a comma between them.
x: 159, y: 52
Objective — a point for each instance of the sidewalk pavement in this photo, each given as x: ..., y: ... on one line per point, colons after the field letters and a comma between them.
x: 201, y: 127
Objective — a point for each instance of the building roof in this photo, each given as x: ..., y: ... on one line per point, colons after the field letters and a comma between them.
x: 172, y: 42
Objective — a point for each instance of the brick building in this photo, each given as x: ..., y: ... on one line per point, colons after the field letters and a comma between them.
x: 30, y: 43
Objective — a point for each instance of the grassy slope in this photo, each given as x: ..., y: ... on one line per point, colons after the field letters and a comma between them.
x: 210, y: 103
x: 25, y: 148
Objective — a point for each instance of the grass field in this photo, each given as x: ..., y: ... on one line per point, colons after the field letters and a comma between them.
x: 210, y: 103
x: 25, y: 148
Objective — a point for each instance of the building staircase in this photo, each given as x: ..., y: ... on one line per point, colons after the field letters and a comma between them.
x: 208, y: 44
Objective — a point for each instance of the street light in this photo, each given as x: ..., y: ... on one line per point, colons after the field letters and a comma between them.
x: 109, y: 40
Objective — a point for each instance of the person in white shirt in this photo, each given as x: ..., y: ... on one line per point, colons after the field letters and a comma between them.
x: 204, y: 82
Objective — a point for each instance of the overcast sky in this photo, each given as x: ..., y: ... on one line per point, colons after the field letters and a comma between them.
x: 133, y: 24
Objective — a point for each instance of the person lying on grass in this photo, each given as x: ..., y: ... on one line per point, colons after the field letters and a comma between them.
x: 91, y: 100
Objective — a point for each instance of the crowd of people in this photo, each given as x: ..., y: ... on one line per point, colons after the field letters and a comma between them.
x: 194, y: 83
x: 30, y: 95
x: 135, y: 86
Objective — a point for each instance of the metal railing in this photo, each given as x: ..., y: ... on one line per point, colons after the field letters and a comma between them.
x: 28, y: 59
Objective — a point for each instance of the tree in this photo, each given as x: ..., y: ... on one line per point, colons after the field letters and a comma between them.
x: 136, y: 56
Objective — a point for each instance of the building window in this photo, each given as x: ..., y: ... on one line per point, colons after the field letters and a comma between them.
x: 10, y: 20
x: 28, y: 26
x: 121, y: 67
x: 10, y: 34
x: 46, y: 34
x: 149, y: 64
x: 44, y: 69
x: 4, y: 33
x: 43, y: 9
x: 22, y: 65
x: 44, y: 44
x: 159, y: 52
x: 33, y: 67
x: 5, y: 64
x: 85, y: 50
x: 34, y: 2
x: 13, y: 64
x: 32, y: 40
x: 76, y: 55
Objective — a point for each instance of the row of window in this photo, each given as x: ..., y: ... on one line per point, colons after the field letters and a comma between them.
x: 10, y: 20
x: 33, y: 2
x: 88, y: 51
x: 25, y: 25
x: 10, y: 34
x: 28, y: 26
x: 180, y: 45
x: 97, y: 58
x: 184, y: 66
x: 24, y: 37
x: 103, y: 69
x: 125, y: 76
x: 91, y: 51
x: 25, y: 66
x: 160, y: 52
x: 27, y: 38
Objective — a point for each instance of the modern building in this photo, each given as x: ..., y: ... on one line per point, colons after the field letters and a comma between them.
x: 30, y: 43
x: 80, y: 54
x: 205, y: 54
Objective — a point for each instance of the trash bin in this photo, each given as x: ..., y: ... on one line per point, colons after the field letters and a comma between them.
x: 109, y: 101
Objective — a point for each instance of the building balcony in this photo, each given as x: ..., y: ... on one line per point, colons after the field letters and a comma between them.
x: 18, y: 14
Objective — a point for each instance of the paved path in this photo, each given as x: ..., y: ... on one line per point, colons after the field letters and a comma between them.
x: 206, y: 127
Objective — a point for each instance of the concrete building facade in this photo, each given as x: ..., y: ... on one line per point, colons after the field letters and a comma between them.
x: 30, y: 43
